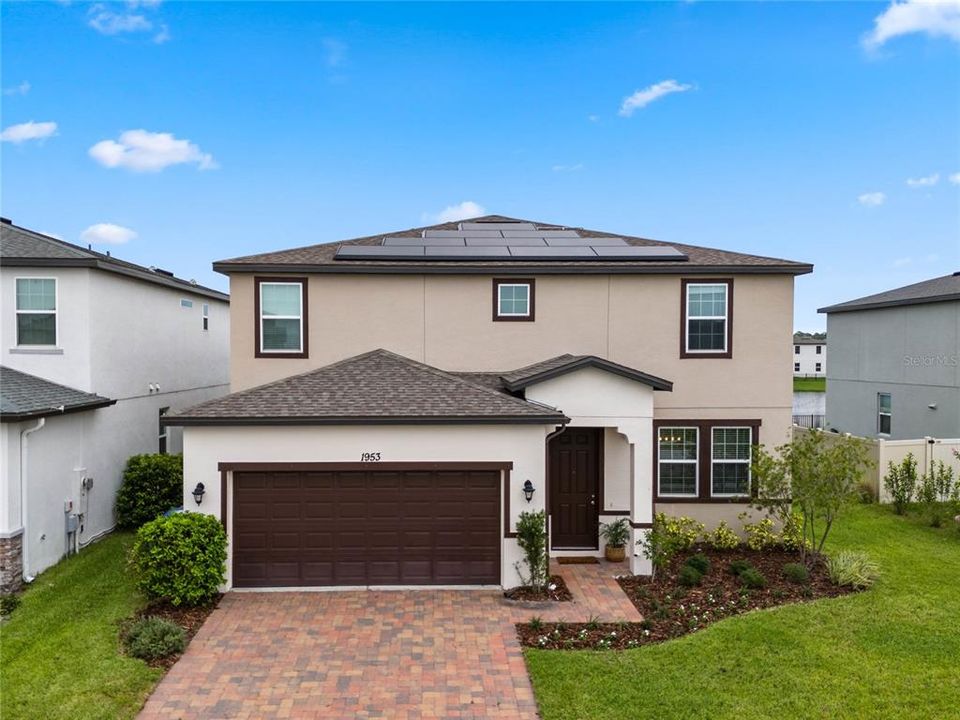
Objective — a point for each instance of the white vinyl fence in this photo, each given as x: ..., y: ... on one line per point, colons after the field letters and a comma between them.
x: 882, y: 452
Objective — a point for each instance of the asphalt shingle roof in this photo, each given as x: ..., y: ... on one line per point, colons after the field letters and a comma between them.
x: 320, y: 258
x: 940, y: 289
x: 24, y: 396
x: 378, y: 387
x: 563, y: 364
x: 26, y: 248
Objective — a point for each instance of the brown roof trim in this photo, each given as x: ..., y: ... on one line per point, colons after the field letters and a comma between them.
x: 363, y: 466
x: 578, y: 363
x: 177, y: 421
x: 227, y: 267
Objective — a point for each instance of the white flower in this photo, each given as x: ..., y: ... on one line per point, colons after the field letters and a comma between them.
x: 553, y: 586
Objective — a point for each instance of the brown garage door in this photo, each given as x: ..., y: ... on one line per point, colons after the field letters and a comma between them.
x: 371, y: 527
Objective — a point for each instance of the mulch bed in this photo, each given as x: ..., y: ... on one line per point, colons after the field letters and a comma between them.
x: 671, y: 610
x: 189, y: 618
x: 556, y: 591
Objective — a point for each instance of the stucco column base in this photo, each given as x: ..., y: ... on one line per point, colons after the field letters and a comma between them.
x: 639, y: 563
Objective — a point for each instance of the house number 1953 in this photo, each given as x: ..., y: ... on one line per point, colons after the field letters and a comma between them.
x: 370, y: 457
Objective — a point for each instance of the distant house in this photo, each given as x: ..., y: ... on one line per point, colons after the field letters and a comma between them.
x: 809, y: 355
x: 895, y: 362
x: 94, y: 352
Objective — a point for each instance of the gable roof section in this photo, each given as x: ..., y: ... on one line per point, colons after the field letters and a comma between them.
x: 563, y: 364
x: 20, y: 247
x: 320, y: 258
x: 940, y: 289
x: 376, y: 388
x: 24, y: 397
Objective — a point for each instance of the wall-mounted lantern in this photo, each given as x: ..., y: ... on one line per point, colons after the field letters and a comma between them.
x: 198, y: 492
x: 528, y: 490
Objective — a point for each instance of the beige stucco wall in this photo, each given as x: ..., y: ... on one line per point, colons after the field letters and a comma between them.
x: 205, y: 447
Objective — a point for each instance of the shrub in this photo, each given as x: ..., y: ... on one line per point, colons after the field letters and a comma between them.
x: 180, y: 558
x: 152, y: 484
x: 852, y: 568
x: 753, y: 579
x: 682, y: 532
x: 666, y: 538
x: 532, y: 539
x: 791, y: 534
x: 723, y: 538
x: 760, y: 535
x: 901, y: 482
x: 8, y: 603
x: 935, y: 492
x: 865, y: 493
x: 617, y: 533
x: 796, y: 573
x: 739, y: 566
x: 154, y: 638
x: 699, y: 562
x: 689, y: 576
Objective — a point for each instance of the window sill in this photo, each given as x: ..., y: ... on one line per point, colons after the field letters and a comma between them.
x: 36, y: 351
x: 711, y: 500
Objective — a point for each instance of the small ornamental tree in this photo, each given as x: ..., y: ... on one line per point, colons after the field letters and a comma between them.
x: 152, y: 484
x: 532, y: 539
x: 901, y: 482
x: 813, y: 476
x: 936, y: 491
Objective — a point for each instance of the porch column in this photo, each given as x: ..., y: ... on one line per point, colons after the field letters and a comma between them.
x: 639, y: 433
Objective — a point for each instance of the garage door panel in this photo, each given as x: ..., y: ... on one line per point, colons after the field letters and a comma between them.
x: 372, y: 527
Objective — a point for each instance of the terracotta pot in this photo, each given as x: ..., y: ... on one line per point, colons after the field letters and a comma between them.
x: 615, y: 554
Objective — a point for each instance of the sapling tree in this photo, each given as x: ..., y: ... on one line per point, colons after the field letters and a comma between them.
x: 532, y: 539
x: 814, y: 475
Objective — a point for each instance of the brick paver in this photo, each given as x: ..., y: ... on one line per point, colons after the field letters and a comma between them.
x: 372, y: 654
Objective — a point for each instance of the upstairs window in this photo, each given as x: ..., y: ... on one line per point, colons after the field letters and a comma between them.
x: 205, y: 316
x: 819, y: 349
x: 884, y: 413
x: 677, y: 461
x: 796, y: 349
x: 513, y: 300
x: 730, y: 454
x: 163, y: 433
x: 36, y: 311
x: 281, y: 317
x: 706, y: 313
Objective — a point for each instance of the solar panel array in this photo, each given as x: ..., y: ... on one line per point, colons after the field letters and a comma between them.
x: 506, y: 241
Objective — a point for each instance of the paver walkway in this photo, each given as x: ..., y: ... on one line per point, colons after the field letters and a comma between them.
x: 372, y: 654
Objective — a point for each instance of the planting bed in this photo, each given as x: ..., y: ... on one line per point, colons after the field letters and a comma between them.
x: 189, y: 618
x: 556, y: 590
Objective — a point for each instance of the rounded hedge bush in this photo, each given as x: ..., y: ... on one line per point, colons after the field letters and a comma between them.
x: 699, y: 562
x: 154, y: 638
x: 796, y: 573
x: 689, y: 576
x: 152, y: 484
x: 181, y: 558
x: 753, y: 578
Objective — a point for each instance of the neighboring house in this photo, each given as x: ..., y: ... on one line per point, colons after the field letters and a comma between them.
x: 895, y: 362
x: 109, y: 345
x: 809, y: 355
x: 399, y: 400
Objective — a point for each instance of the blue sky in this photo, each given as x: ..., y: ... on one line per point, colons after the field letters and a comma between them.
x: 827, y: 132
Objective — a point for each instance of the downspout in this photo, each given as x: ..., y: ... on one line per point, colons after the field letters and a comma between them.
x: 24, y: 544
x: 546, y: 483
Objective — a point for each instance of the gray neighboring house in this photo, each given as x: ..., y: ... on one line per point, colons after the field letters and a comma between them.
x: 895, y: 362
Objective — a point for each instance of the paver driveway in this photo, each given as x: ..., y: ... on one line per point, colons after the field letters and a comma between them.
x: 369, y: 654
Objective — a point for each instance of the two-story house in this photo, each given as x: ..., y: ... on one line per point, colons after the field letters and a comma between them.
x: 809, y: 355
x: 95, y: 351
x: 399, y: 399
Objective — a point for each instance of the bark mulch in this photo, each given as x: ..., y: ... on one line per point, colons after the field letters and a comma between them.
x: 671, y: 610
x: 555, y: 591
x: 189, y: 618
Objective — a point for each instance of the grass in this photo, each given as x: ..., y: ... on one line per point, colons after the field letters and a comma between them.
x: 889, y: 652
x: 60, y: 655
x: 813, y: 384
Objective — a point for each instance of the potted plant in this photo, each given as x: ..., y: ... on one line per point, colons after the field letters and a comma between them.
x: 615, y: 536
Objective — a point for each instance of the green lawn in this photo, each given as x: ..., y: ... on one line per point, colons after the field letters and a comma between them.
x: 59, y: 655
x: 893, y: 651
x: 801, y: 384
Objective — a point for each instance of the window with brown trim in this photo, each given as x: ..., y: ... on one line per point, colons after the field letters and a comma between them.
x: 514, y: 299
x: 706, y: 318
x: 703, y: 461
x: 280, y: 310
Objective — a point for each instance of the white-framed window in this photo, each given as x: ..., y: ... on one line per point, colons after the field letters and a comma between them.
x: 796, y: 367
x: 513, y: 300
x: 730, y: 455
x: 36, y: 307
x: 707, y: 313
x: 796, y: 349
x: 205, y: 316
x: 677, y: 450
x: 281, y: 317
x: 884, y: 413
x: 184, y: 303
x: 163, y: 432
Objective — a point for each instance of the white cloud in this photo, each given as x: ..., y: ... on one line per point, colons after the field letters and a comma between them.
x: 955, y: 178
x: 642, y: 98
x: 462, y: 211
x: 21, y: 89
x: 872, y: 199
x: 335, y: 51
x: 144, y: 151
x: 108, y: 234
x: 567, y: 168
x: 928, y: 181
x: 131, y: 18
x: 28, y: 131
x: 593, y: 118
x: 937, y: 18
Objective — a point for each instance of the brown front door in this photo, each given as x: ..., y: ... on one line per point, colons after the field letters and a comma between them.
x: 369, y: 527
x: 575, y: 488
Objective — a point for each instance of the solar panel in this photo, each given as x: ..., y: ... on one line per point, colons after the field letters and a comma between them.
x: 461, y: 233
x: 520, y: 249
x: 552, y: 253
x: 420, y: 242
x: 497, y: 226
x: 635, y: 252
x: 588, y: 242
x: 513, y: 242
x: 540, y: 233
x: 466, y: 253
